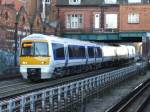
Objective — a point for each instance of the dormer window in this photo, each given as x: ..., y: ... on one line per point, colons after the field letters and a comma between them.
x: 46, y: 1
x: 110, y: 1
x: 134, y: 1
x: 74, y: 2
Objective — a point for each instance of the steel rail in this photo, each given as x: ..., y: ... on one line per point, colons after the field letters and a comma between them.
x: 132, y: 98
x: 4, y: 82
x: 144, y: 104
x: 11, y: 84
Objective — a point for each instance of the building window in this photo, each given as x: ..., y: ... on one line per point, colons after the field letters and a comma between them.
x: 134, y: 1
x: 133, y: 18
x: 97, y: 20
x: 74, y: 2
x: 111, y: 21
x: 46, y: 1
x: 74, y: 21
x: 110, y: 1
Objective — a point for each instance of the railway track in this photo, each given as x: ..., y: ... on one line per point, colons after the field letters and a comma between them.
x: 15, y: 87
x: 18, y: 86
x: 68, y: 93
x: 137, y: 101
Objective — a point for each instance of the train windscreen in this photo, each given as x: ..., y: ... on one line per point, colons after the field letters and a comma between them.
x: 34, y: 49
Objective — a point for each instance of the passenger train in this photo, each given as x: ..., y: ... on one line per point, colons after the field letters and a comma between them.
x: 45, y: 57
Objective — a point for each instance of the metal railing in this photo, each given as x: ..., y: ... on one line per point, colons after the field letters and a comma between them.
x: 94, y: 30
x: 67, y: 97
x: 6, y: 59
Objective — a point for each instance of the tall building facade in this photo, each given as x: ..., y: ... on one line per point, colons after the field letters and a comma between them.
x: 95, y: 20
x: 98, y: 20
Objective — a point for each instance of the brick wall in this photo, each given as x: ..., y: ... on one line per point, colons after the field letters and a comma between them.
x: 53, y: 10
x: 32, y: 7
x: 88, y: 15
x: 144, y: 17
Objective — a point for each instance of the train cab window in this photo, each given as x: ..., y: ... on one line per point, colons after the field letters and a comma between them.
x: 99, y: 52
x: 34, y: 49
x: 58, y: 51
x: 76, y: 52
x: 41, y: 49
x: 91, y: 52
x: 27, y: 49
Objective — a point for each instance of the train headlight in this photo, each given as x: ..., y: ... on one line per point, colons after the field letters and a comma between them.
x: 24, y: 63
x: 43, y: 62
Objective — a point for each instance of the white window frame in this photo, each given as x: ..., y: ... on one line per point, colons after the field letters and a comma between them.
x: 74, y: 2
x: 97, y: 24
x: 47, y: 1
x: 133, y: 18
x: 112, y: 25
x: 134, y: 1
x: 74, y: 21
x: 110, y: 1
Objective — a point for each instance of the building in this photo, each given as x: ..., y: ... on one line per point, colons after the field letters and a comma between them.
x: 104, y: 20
x: 88, y: 16
x: 28, y: 16
x: 96, y: 20
x: 8, y: 11
x: 135, y: 17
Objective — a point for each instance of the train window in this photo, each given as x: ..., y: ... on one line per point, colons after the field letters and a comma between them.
x: 40, y: 49
x: 58, y: 51
x: 34, y: 49
x: 99, y: 52
x: 82, y: 51
x: 73, y: 51
x: 91, y: 52
x: 76, y: 51
x: 27, y: 49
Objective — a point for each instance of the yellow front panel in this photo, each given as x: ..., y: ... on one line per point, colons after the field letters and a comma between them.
x: 29, y: 60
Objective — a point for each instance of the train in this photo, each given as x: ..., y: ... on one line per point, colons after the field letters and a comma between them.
x: 48, y: 56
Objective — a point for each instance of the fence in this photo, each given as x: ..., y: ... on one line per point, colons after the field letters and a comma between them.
x: 6, y: 59
x: 67, y: 97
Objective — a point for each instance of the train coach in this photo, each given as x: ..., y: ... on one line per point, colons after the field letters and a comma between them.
x: 45, y: 57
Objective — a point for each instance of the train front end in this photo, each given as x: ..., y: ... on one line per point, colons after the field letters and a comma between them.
x: 35, y: 60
